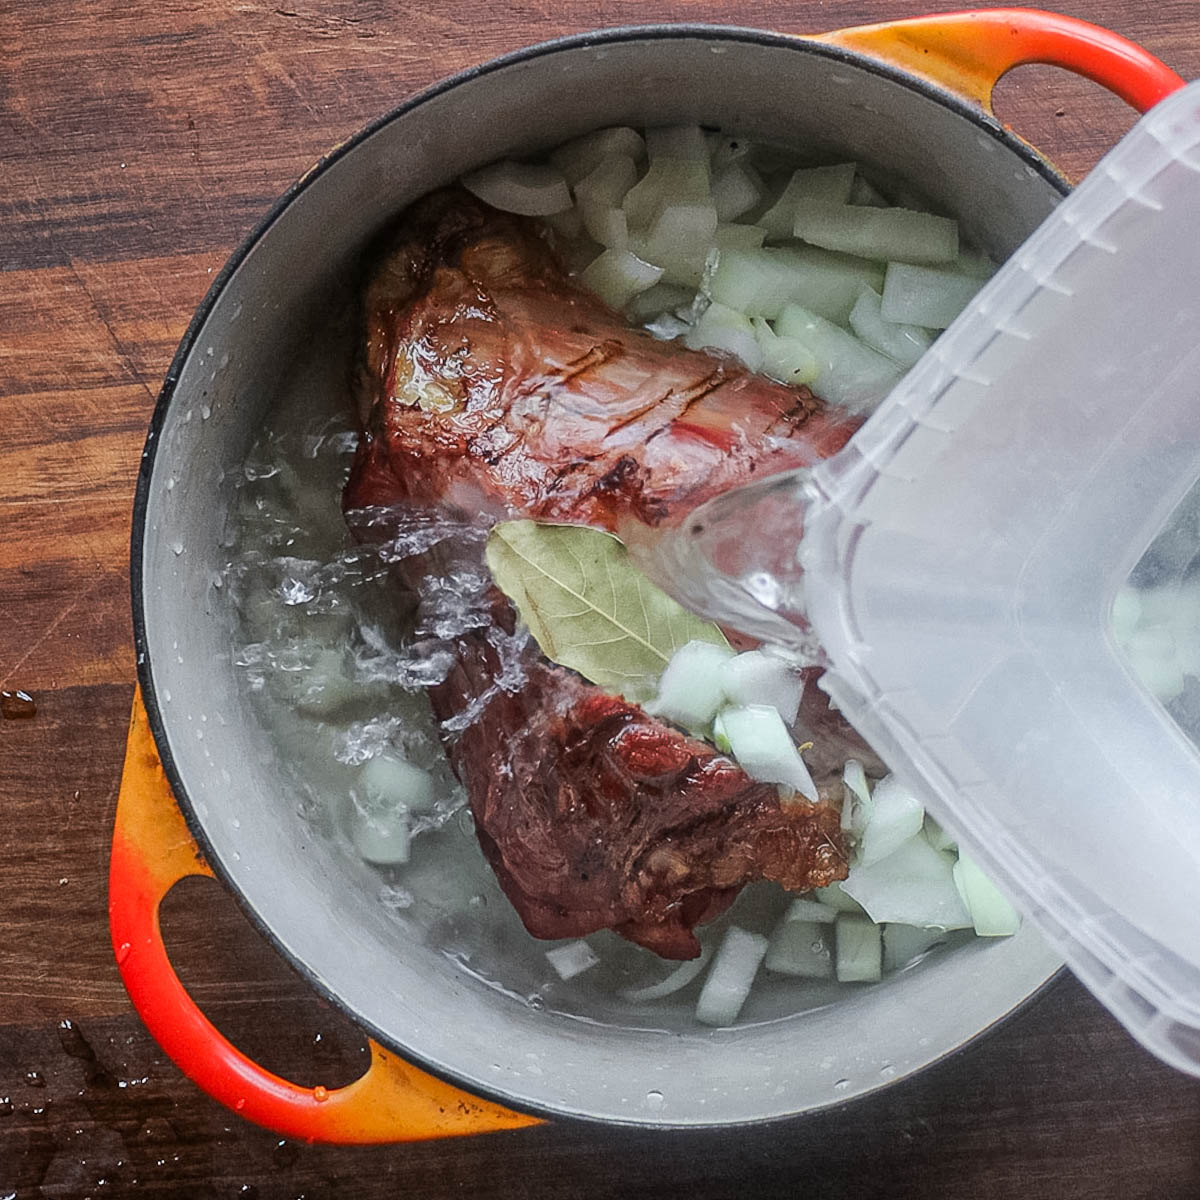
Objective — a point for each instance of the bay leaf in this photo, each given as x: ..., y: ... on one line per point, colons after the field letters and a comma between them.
x: 589, y: 607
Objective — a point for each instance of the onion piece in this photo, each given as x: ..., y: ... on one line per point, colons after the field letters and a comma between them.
x: 382, y: 838
x: 903, y: 944
x: 728, y: 150
x: 760, y: 742
x: 901, y: 343
x: 678, y: 241
x: 799, y: 948
x: 856, y: 806
x: 813, y: 911
x: 885, y: 234
x: 731, y: 977
x: 529, y: 189
x: 859, y: 950
x: 676, y: 981
x: 668, y: 181
x: 785, y: 359
x: 572, y: 959
x: 896, y: 815
x: 389, y: 782
x: 762, y: 283
x: 863, y: 192
x: 607, y: 184
x: 690, y: 691
x: 735, y: 190
x: 576, y: 158
x: 990, y: 910
x: 914, y: 885
x: 756, y: 677
x: 616, y: 276
x: 915, y: 295
x: 828, y: 184
x: 721, y: 328
x: 738, y: 237
x: 852, y: 374
x: 661, y: 299
x: 835, y: 898
x: 676, y: 141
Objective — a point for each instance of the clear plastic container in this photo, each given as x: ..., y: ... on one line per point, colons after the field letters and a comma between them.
x: 962, y: 557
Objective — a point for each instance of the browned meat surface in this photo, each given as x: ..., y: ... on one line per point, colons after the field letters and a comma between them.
x: 493, y: 387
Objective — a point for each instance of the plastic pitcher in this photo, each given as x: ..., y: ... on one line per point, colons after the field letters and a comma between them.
x: 963, y: 570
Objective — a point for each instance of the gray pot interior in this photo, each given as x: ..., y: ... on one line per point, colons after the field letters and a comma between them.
x: 281, y: 311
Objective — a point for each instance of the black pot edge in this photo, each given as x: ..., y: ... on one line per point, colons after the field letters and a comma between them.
x: 154, y: 712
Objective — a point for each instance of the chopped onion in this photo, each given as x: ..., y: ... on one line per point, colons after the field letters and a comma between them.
x: 938, y: 837
x: 896, y: 815
x: 903, y: 944
x: 608, y: 183
x: 662, y: 298
x: 830, y: 185
x: 914, y: 885
x: 914, y: 295
x: 690, y: 690
x: 902, y: 343
x: 761, y: 283
x: 607, y: 226
x: 735, y: 191
x: 390, y: 782
x: 864, y: 193
x: 799, y: 948
x: 529, y: 189
x: 676, y: 981
x: 738, y: 237
x: 616, y: 276
x: 885, y: 234
x: 859, y: 950
x: 721, y: 328
x: 678, y: 241
x: 856, y: 805
x: 676, y: 141
x: 836, y: 898
x: 576, y: 158
x: 572, y: 959
x: 381, y: 838
x: 668, y: 181
x: 760, y: 742
x: 851, y: 374
x: 991, y: 913
x: 804, y: 909
x: 732, y: 974
x: 567, y: 224
x: 756, y: 677
x: 785, y: 359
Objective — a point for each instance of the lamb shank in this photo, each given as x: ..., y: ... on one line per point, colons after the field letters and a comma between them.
x: 494, y: 387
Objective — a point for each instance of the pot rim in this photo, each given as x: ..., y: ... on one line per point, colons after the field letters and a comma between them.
x: 965, y: 108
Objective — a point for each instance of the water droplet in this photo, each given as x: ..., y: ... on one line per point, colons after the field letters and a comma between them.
x: 840, y: 1085
x: 224, y: 361
x: 123, y: 951
x: 320, y: 1094
x: 177, y: 548
x: 236, y: 823
x: 6, y: 1109
x: 238, y: 1105
x: 654, y: 1101
x: 205, y: 411
x: 167, y: 695
x: 171, y: 484
x: 537, y: 1003
x: 887, y: 1071
x: 17, y: 705
x: 35, y: 1079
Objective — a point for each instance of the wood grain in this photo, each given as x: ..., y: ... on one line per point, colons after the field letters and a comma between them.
x: 138, y: 144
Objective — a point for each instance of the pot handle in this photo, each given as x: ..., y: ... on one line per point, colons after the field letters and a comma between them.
x: 968, y: 52
x: 152, y: 850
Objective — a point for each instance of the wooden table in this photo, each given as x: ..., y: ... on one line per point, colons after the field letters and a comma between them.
x: 138, y: 144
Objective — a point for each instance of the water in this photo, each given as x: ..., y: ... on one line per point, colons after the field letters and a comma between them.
x: 334, y: 656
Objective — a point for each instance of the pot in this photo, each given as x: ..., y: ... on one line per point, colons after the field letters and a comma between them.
x: 871, y: 95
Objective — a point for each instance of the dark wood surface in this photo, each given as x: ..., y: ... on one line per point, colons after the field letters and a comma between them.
x: 138, y: 144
